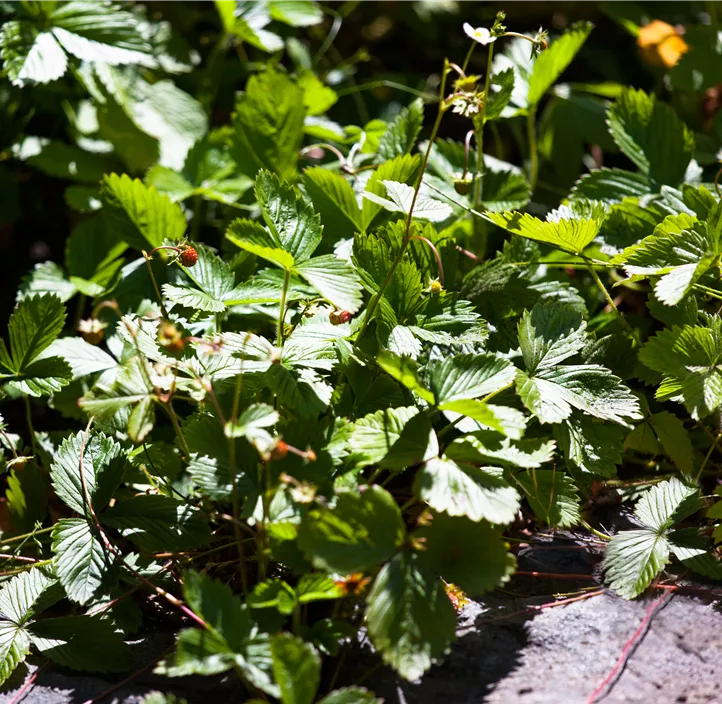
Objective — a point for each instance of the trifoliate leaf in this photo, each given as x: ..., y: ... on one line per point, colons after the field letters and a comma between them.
x: 464, y: 490
x: 651, y: 135
x: 471, y: 555
x: 360, y: 532
x: 410, y: 619
x: 552, y: 496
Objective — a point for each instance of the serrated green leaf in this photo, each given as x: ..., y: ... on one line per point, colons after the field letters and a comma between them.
x: 158, y: 523
x: 611, y: 185
x: 401, y: 199
x: 334, y: 199
x: 254, y: 238
x: 334, y: 279
x: 492, y: 447
x: 552, y: 393
x: 471, y: 555
x: 84, y: 359
x: 84, y: 643
x: 405, y: 371
x: 402, y: 169
x: 103, y: 465
x: 633, y: 559
x: 549, y: 334
x: 79, y: 557
x: 357, y: 534
x: 410, y: 619
x: 550, y: 64
x: 29, y: 55
x: 464, y: 490
x: 26, y: 595
x: 469, y: 376
x: 552, y: 496
x: 400, y: 136
x: 505, y: 190
x: 138, y: 214
x: 687, y: 358
x: 290, y: 220
x: 593, y: 446
x: 568, y: 235
x: 296, y: 669
x: 651, y: 135
x: 502, y: 86
x: 394, y: 438
x: 14, y: 648
x: 666, y: 504
x: 268, y: 125
x: 675, y: 440
x: 33, y: 326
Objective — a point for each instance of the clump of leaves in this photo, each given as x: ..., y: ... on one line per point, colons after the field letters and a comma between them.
x: 331, y: 419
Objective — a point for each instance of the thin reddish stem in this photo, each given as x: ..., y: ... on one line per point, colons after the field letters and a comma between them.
x: 629, y: 646
x: 432, y: 246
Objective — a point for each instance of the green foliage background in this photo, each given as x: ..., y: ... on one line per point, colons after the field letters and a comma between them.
x: 314, y: 331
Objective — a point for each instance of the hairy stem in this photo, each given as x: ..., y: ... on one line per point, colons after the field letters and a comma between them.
x: 373, y: 303
x: 282, y: 312
x: 611, y: 302
x: 533, y: 152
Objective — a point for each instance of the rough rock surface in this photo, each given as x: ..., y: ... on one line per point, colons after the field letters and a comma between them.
x: 554, y: 655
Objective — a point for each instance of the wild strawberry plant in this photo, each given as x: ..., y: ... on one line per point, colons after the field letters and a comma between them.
x: 318, y: 371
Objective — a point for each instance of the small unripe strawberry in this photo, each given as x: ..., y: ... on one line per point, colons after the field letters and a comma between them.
x: 189, y: 256
x: 435, y: 287
x: 462, y: 186
x: 170, y: 337
x: 338, y: 317
x: 279, y: 451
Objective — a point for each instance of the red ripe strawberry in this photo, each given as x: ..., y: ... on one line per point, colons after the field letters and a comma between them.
x: 189, y: 256
x: 338, y: 317
x: 279, y: 451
